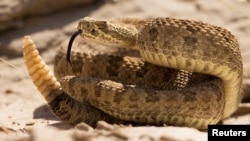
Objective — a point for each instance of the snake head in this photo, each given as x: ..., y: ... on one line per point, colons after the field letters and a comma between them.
x: 92, y: 29
x: 110, y: 33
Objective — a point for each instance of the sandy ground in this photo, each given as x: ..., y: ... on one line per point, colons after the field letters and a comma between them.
x: 23, y: 108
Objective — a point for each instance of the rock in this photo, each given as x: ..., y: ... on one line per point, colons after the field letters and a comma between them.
x: 12, y: 12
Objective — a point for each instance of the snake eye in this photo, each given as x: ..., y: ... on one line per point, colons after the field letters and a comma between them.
x: 101, y: 24
x: 93, y: 31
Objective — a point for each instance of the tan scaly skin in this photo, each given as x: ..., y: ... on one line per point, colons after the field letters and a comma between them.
x: 205, y: 89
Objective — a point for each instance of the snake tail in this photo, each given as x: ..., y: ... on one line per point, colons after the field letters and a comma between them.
x: 62, y: 105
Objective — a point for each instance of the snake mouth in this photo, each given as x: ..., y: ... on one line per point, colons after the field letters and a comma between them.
x: 71, y: 40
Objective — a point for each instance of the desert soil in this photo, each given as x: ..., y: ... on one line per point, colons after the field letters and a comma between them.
x: 24, y: 114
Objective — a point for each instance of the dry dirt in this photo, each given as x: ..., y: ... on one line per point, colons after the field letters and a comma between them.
x: 24, y: 114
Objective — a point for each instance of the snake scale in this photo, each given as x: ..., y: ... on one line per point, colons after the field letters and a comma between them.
x: 189, y: 73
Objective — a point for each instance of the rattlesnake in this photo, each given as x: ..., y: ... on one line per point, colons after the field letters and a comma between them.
x: 190, y: 74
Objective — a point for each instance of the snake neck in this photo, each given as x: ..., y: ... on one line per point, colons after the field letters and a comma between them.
x: 111, y: 33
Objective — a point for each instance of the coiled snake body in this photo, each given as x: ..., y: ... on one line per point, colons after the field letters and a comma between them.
x: 190, y: 73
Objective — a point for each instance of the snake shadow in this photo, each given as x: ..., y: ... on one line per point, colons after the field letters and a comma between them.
x: 43, y: 112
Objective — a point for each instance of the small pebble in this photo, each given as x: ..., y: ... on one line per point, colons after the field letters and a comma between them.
x: 30, y: 123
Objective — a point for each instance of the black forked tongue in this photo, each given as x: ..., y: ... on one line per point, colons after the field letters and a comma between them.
x: 72, y: 38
